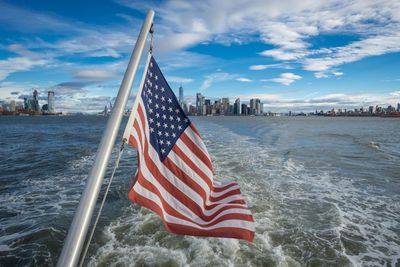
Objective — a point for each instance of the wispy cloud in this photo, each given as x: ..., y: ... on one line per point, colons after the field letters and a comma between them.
x: 176, y: 79
x: 242, y: 79
x: 270, y: 66
x: 216, y: 77
x: 26, y: 20
x: 95, y: 74
x: 285, y: 78
x: 18, y: 64
x: 288, y: 25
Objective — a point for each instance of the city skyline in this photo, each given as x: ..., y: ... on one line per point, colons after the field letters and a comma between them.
x: 292, y: 56
x: 202, y: 105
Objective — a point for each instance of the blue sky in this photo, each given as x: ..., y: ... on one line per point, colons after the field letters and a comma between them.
x: 293, y: 55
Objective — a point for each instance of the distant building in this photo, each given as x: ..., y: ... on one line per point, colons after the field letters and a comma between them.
x: 208, y: 107
x: 26, y: 103
x: 50, y: 102
x: 181, y: 96
x: 244, y: 110
x: 192, y: 110
x: 12, y: 106
x: 20, y: 106
x: 35, y: 103
x: 371, y: 109
x: 252, y: 106
x: 237, y: 108
x: 390, y: 108
x: 255, y: 107
x: 398, y: 107
x: 199, y: 104
x: 224, y: 105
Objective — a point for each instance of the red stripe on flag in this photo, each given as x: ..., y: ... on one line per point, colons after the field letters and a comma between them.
x: 170, y: 210
x: 180, y: 229
x: 177, y: 201
x: 196, y: 150
x: 170, y: 188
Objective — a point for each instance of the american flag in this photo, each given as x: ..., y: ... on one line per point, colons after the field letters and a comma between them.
x: 175, y: 177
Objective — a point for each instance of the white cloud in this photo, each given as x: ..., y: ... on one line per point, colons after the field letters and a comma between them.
x: 216, y: 77
x: 176, y: 79
x: 95, y: 74
x: 270, y: 66
x: 285, y: 78
x: 372, y: 46
x: 17, y: 64
x: 242, y: 79
x: 337, y: 73
x: 395, y: 94
x: 288, y: 25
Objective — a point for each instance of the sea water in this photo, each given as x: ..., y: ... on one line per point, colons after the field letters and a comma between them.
x: 323, y: 191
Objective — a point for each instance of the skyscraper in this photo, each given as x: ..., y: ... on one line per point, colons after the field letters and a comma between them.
x: 50, y: 101
x: 244, y: 109
x: 252, y: 106
x: 199, y: 104
x: 207, y: 104
x: 224, y: 105
x: 258, y: 107
x: 35, y: 101
x: 181, y: 96
x: 237, y: 107
x: 26, y: 105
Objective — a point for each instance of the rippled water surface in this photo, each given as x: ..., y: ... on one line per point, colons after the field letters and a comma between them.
x: 324, y: 192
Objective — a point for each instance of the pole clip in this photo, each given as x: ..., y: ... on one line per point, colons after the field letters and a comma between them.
x: 151, y: 31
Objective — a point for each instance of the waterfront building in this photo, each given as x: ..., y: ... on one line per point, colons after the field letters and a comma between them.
x: 12, y: 106
x: 230, y: 109
x: 258, y: 107
x: 237, y: 108
x: 255, y: 106
x: 390, y: 109
x: 181, y: 96
x: 204, y: 106
x: 208, y: 107
x: 50, y: 102
x: 20, y: 106
x: 398, y: 107
x: 252, y: 106
x: 26, y: 103
x: 199, y: 104
x: 225, y: 105
x: 244, y: 110
x: 33, y: 104
x: 185, y: 108
x: 192, y: 110
x: 371, y: 109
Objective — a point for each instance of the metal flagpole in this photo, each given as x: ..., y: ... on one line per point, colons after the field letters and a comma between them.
x: 77, y: 232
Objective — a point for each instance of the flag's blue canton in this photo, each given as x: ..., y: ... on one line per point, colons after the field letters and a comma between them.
x: 165, y: 117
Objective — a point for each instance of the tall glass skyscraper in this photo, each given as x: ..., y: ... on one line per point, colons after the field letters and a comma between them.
x: 237, y: 107
x: 35, y: 101
x: 50, y: 102
x: 181, y: 96
x: 199, y: 104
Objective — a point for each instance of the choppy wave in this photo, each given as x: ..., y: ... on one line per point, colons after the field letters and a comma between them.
x: 319, y: 197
